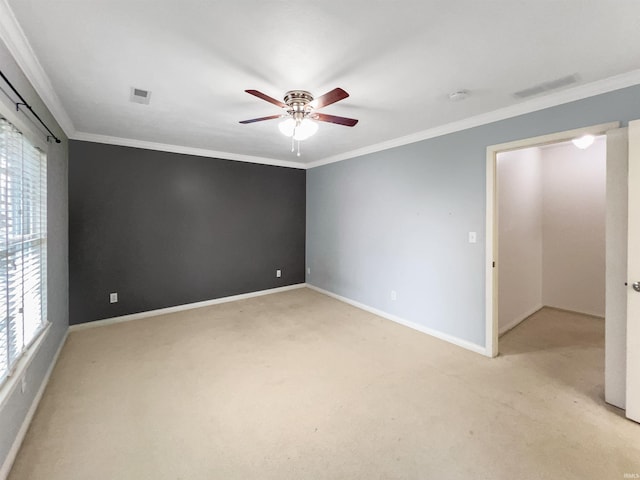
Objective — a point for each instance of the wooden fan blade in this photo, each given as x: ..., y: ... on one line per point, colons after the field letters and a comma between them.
x: 269, y: 99
x: 270, y: 117
x: 328, y: 98
x: 347, y: 122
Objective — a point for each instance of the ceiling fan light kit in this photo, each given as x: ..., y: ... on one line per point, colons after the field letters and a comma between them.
x: 305, y: 129
x: 300, y: 115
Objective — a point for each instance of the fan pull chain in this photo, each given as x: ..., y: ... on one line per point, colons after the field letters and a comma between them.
x: 293, y: 136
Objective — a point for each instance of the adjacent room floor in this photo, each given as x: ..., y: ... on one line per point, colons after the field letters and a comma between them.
x: 297, y: 385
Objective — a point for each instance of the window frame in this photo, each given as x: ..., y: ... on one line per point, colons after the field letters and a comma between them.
x: 17, y: 372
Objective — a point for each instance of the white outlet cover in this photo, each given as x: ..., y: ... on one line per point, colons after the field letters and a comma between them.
x: 113, y: 298
x: 473, y: 237
x: 278, y: 273
x: 394, y: 295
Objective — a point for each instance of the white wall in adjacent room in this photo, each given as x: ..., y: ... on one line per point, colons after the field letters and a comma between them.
x: 520, y: 235
x: 573, y: 227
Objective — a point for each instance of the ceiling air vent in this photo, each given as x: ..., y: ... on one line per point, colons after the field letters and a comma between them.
x: 547, y: 86
x: 140, y: 96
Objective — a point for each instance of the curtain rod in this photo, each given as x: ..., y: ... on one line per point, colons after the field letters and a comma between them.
x: 24, y: 102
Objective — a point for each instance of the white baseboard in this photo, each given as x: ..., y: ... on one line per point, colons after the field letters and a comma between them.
x: 415, y: 326
x: 515, y: 322
x: 580, y: 312
x: 180, y: 308
x: 13, y: 451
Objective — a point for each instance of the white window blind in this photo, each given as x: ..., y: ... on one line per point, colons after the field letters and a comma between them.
x: 23, y: 245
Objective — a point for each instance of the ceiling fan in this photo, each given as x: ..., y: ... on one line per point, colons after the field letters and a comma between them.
x: 300, y: 112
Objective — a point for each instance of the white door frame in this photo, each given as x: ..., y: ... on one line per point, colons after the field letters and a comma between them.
x: 491, y: 229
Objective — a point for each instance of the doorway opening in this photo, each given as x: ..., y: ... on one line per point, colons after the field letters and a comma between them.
x: 561, y: 221
x: 551, y: 212
x: 551, y: 216
x: 527, y: 232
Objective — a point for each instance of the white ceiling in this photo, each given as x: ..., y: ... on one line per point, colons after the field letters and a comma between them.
x: 399, y: 60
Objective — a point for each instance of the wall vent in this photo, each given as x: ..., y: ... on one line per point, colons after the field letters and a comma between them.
x: 139, y: 95
x: 547, y: 86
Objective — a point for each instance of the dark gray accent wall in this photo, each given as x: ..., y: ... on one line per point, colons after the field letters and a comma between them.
x: 14, y: 409
x: 399, y: 219
x: 164, y: 229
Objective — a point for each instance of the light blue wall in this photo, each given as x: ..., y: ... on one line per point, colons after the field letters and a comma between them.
x: 399, y: 219
x: 14, y: 411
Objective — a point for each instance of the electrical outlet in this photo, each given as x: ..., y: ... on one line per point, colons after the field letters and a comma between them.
x: 308, y: 271
x: 113, y: 297
x: 394, y: 295
x: 473, y: 237
x: 23, y: 384
x: 278, y: 273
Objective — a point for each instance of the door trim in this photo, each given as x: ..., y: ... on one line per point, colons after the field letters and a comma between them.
x: 491, y: 227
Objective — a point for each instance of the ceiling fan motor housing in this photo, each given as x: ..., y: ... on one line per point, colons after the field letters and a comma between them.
x: 298, y: 103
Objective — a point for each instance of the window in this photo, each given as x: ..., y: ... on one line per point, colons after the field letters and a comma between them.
x: 23, y: 245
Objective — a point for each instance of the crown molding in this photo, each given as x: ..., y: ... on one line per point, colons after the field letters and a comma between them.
x: 551, y: 100
x: 200, y: 152
x: 16, y: 41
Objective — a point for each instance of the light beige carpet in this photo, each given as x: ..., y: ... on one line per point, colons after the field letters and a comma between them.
x: 297, y: 385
